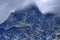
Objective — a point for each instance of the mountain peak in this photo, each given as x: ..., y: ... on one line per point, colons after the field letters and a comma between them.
x: 20, y: 15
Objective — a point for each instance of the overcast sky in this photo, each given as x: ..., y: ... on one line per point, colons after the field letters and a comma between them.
x: 7, y: 6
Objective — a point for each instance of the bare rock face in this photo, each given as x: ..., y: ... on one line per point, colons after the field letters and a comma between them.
x: 30, y: 24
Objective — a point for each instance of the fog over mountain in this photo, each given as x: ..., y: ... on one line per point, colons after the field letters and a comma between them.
x: 29, y: 20
x: 7, y: 6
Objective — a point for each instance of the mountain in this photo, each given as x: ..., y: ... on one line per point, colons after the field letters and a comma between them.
x: 27, y: 15
x: 23, y: 24
x: 30, y: 24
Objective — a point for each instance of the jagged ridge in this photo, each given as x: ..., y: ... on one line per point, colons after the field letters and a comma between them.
x: 29, y: 23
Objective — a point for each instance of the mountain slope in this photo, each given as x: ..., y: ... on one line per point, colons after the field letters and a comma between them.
x: 23, y: 23
x: 30, y: 24
x: 28, y: 15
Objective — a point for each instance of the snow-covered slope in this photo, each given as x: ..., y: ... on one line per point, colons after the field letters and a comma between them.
x: 30, y: 24
x: 22, y: 17
x: 23, y: 23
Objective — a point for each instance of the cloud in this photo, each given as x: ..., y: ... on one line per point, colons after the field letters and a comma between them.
x: 7, y: 6
x: 48, y: 5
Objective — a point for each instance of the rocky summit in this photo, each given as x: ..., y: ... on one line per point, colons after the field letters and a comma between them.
x: 30, y: 24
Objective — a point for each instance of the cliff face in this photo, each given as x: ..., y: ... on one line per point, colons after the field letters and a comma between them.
x: 26, y: 16
x: 29, y: 23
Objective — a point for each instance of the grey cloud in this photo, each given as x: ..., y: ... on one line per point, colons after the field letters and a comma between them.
x: 48, y: 5
x: 6, y: 6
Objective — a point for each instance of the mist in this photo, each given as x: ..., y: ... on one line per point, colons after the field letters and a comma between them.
x: 48, y: 5
x: 8, y: 6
